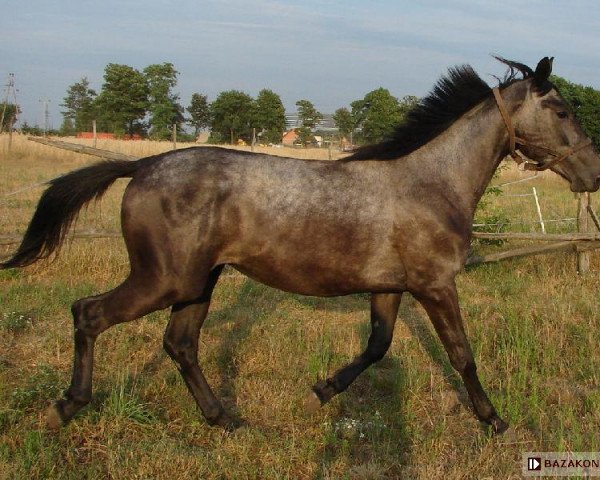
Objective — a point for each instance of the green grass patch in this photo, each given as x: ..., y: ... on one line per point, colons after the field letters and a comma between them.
x: 40, y: 385
x: 123, y: 402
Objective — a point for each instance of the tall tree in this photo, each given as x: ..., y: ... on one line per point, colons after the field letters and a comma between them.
x: 199, y: 111
x: 232, y: 117
x: 123, y: 101
x: 67, y: 127
x: 585, y: 102
x: 164, y: 107
x: 79, y: 107
x: 378, y: 113
x: 270, y: 116
x: 309, y: 117
x: 8, y: 115
x: 407, y: 103
x: 345, y: 122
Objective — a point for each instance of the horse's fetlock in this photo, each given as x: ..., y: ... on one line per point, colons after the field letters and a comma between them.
x: 213, y: 414
x: 78, y: 397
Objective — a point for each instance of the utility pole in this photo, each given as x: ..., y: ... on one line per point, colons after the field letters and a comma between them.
x: 11, y: 93
x: 45, y: 102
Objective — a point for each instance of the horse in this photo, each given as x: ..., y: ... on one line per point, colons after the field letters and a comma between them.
x: 390, y: 218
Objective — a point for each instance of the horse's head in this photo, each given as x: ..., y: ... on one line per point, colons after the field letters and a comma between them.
x: 547, y: 132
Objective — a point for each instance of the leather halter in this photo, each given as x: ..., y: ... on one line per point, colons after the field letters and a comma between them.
x: 513, y: 141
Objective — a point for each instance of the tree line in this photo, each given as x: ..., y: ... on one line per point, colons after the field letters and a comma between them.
x: 130, y: 102
x: 143, y: 102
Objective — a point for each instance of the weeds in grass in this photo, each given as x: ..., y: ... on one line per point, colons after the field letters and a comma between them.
x: 370, y: 428
x: 123, y: 402
x: 15, y: 321
x: 319, y: 362
x: 37, y: 456
x: 39, y: 386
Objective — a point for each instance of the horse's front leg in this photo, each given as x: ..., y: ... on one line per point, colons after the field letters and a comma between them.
x: 384, y: 310
x: 441, y: 304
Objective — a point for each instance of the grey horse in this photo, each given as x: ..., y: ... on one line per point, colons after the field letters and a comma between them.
x: 391, y: 218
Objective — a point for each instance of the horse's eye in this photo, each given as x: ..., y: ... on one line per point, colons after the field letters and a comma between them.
x: 562, y: 114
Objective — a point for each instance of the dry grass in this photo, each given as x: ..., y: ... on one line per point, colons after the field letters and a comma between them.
x: 533, y: 325
x: 147, y: 147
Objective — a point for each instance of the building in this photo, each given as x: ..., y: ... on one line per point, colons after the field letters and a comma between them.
x: 290, y: 137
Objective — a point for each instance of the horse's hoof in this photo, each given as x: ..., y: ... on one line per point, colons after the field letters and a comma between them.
x: 226, y: 422
x: 54, y: 419
x: 499, y: 426
x: 312, y: 403
x: 232, y: 424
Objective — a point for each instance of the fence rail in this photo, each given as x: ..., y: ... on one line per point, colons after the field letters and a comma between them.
x: 546, y: 237
x: 575, y: 246
x: 76, y: 147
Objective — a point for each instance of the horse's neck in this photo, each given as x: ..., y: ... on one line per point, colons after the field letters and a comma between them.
x: 464, y: 158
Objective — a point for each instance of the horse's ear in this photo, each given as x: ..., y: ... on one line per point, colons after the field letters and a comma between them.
x: 543, y: 71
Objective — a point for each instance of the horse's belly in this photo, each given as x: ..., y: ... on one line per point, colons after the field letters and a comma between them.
x: 310, y: 278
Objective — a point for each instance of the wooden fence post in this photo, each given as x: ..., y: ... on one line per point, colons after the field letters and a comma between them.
x: 583, y: 226
x: 174, y: 136
x: 11, y: 122
x: 94, y: 134
x: 539, y: 210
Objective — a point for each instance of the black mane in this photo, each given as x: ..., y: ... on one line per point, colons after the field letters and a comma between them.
x: 453, y: 95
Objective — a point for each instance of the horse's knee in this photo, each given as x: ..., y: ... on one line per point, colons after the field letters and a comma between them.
x: 182, y: 351
x: 170, y: 346
x: 87, y: 317
x: 77, y: 312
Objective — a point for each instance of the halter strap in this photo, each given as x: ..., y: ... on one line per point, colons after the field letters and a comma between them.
x: 513, y: 140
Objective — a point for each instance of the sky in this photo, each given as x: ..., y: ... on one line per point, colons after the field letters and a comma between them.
x: 329, y: 52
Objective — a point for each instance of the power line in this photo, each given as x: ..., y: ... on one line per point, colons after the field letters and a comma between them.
x: 46, y: 101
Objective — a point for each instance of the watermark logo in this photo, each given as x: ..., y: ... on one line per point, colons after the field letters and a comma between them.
x: 561, y: 464
x: 534, y: 464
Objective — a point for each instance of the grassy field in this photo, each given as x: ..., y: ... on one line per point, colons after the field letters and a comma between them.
x: 533, y: 324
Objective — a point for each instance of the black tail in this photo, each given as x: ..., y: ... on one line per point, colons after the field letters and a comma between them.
x: 59, y: 205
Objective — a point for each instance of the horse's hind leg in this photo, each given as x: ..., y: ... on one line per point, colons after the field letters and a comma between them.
x: 384, y: 310
x: 135, y: 297
x: 181, y: 343
x: 442, y: 307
